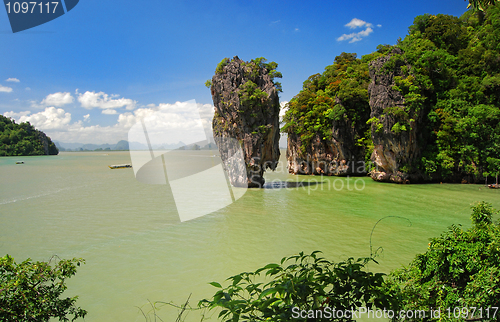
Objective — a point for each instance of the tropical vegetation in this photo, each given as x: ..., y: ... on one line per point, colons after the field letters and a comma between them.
x: 23, y: 139
x: 451, y: 87
x: 31, y: 291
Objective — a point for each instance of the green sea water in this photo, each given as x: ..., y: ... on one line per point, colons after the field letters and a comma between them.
x: 73, y: 205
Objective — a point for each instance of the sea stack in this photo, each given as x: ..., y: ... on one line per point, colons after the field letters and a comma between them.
x: 246, y: 112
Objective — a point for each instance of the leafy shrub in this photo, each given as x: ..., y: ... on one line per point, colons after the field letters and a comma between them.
x: 300, y: 282
x: 459, y: 270
x: 30, y: 291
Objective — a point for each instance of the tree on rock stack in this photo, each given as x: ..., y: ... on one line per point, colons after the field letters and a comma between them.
x: 246, y: 102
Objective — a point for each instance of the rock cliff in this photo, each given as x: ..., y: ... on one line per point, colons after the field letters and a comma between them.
x: 394, y: 125
x: 326, y: 121
x: 338, y: 155
x: 49, y: 148
x: 247, y: 110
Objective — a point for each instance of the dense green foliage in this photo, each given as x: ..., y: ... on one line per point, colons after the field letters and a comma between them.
x: 30, y: 291
x: 455, y: 63
x: 451, y: 86
x: 301, y: 282
x: 461, y: 269
x: 22, y: 139
x: 340, y: 94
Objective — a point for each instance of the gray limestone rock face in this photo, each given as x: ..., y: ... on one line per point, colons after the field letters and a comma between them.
x: 394, y: 151
x: 246, y: 115
x: 49, y: 148
x: 338, y: 156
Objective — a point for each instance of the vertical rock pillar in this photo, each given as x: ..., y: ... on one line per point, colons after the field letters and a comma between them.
x: 246, y: 113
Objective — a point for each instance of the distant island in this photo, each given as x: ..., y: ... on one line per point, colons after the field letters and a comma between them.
x: 124, y: 145
x: 23, y: 139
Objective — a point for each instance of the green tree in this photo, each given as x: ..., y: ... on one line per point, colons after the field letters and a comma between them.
x: 22, y: 139
x: 460, y: 269
x: 31, y: 291
x: 339, y: 94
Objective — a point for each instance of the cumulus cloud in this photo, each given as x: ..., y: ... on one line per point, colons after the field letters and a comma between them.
x: 15, y: 115
x: 176, y: 122
x: 357, y: 23
x: 58, y: 99
x: 50, y: 119
x: 90, y: 100
x: 357, y: 36
x: 188, y: 122
x: 15, y: 80
x: 5, y: 89
x: 109, y: 111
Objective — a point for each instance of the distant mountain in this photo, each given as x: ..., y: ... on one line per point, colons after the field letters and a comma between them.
x: 124, y: 145
x: 121, y: 145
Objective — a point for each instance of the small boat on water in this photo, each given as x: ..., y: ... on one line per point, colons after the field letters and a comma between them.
x: 120, y: 166
x: 19, y: 162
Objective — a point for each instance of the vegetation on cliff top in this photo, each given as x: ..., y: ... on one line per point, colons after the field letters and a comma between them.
x: 453, y: 79
x: 339, y: 94
x: 23, y: 139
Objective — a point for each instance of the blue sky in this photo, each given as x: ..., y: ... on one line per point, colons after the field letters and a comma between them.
x: 90, y: 74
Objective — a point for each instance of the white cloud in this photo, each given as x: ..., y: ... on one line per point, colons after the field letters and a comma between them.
x: 15, y: 80
x: 102, y: 100
x: 379, y: 25
x: 15, y: 115
x: 109, y: 111
x: 50, y: 119
x: 5, y: 89
x: 357, y: 23
x: 179, y: 119
x: 58, y: 99
x: 28, y: 89
x: 356, y: 36
x: 173, y: 122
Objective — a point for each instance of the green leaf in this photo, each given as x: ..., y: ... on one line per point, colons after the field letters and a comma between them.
x: 216, y: 284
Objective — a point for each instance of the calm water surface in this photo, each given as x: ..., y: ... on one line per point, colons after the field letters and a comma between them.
x: 73, y: 205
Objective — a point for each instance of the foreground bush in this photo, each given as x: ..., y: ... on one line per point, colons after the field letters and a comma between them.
x: 459, y: 275
x: 30, y: 291
x: 301, y: 283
